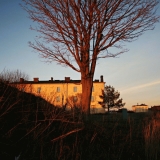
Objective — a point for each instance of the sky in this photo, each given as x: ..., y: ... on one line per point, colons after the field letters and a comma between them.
x: 135, y: 74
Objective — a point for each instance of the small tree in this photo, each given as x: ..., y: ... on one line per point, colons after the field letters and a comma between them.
x: 110, y: 98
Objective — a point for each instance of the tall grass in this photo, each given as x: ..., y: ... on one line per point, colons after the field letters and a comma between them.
x: 152, y: 137
x: 37, y: 130
x: 31, y: 126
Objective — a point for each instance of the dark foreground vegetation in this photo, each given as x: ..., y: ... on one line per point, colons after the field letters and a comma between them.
x: 36, y: 130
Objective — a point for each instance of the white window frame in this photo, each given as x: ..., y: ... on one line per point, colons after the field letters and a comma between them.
x: 23, y: 89
x: 58, y: 89
x: 75, y: 99
x: 58, y: 99
x: 39, y: 90
x: 75, y: 89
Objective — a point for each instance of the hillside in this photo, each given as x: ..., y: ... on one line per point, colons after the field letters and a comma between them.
x: 36, y: 130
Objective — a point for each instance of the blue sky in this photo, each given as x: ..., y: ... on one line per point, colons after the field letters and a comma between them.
x: 135, y: 74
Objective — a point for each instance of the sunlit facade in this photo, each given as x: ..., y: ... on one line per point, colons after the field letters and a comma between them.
x: 140, y: 108
x: 65, y: 92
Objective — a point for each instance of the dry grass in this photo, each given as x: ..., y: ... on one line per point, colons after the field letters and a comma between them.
x: 32, y: 127
x: 152, y: 137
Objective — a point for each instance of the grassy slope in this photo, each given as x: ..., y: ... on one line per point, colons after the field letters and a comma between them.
x: 31, y: 126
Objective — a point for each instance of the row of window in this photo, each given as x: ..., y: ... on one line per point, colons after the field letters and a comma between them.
x: 59, y: 89
x: 74, y: 89
x: 58, y: 99
x: 75, y: 99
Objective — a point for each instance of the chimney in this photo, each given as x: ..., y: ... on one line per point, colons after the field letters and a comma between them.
x: 101, y: 79
x: 96, y: 80
x: 51, y: 78
x: 67, y: 79
x: 21, y: 80
x: 35, y: 79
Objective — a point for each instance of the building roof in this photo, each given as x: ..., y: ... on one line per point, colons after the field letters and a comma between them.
x: 52, y: 81
x: 48, y: 82
x: 139, y: 105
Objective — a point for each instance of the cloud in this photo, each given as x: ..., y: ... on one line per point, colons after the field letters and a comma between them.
x: 140, y: 86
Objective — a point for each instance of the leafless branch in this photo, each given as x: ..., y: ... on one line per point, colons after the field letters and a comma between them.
x: 69, y: 26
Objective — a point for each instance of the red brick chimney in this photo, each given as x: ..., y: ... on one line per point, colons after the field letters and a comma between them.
x: 67, y: 79
x: 21, y: 80
x: 36, y: 79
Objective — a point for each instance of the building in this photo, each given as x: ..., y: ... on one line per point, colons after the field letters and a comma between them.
x: 140, y: 108
x: 65, y: 92
x: 155, y: 108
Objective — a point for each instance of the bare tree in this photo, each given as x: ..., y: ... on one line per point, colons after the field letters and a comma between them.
x: 76, y: 33
x: 13, y: 76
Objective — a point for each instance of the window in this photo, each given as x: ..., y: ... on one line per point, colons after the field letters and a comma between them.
x: 92, y: 99
x: 58, y: 89
x: 58, y: 98
x: 23, y: 89
x: 93, y: 89
x: 74, y: 89
x: 75, y: 98
x: 38, y: 89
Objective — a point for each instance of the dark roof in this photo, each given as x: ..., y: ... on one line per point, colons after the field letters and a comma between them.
x: 51, y: 82
x: 155, y: 106
x: 139, y: 105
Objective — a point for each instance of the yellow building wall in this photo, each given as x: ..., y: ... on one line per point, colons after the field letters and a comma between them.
x: 140, y: 108
x: 65, y: 94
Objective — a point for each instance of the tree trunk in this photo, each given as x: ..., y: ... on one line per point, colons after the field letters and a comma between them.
x: 87, y: 84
